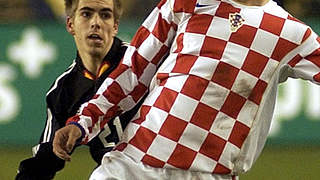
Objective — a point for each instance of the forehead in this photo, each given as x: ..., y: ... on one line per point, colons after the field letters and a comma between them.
x: 96, y: 4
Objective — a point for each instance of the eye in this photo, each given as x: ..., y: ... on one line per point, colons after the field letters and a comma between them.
x: 105, y: 15
x: 85, y: 14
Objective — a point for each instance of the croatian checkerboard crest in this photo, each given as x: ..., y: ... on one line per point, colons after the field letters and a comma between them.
x: 236, y: 21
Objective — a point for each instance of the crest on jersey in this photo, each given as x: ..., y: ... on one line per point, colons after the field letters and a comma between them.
x: 236, y: 21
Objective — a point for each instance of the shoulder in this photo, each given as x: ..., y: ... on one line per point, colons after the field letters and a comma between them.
x: 120, y: 44
x: 125, y: 44
x: 62, y: 77
x: 289, y: 28
x: 118, y: 49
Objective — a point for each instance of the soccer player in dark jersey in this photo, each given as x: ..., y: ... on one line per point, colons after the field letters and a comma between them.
x: 94, y: 25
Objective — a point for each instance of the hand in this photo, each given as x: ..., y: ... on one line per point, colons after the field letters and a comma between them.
x: 64, y: 141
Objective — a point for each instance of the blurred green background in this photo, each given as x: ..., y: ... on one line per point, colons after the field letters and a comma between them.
x: 35, y: 48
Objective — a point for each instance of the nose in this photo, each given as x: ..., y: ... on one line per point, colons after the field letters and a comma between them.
x: 95, y: 22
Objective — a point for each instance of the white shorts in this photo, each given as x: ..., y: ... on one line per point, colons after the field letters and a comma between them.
x: 117, y: 166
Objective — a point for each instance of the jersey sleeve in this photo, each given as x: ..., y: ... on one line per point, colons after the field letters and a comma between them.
x: 43, y: 165
x: 54, y: 119
x: 127, y: 84
x: 306, y: 64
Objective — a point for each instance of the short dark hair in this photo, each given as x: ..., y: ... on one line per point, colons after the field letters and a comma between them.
x: 72, y: 5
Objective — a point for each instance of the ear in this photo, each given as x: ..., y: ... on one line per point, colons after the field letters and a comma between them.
x: 70, y: 25
x: 115, y: 28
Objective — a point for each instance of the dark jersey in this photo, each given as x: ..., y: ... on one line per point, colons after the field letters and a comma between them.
x: 64, y: 98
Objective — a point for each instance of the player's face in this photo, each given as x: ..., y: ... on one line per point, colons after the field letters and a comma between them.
x: 93, y: 27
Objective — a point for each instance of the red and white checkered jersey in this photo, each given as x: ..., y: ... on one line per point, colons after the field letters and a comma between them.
x: 212, y: 69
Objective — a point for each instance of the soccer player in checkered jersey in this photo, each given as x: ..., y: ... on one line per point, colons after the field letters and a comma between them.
x: 211, y: 68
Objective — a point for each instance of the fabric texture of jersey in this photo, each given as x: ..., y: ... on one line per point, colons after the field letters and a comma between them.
x: 211, y: 100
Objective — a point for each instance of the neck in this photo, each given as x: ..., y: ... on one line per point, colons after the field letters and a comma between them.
x: 91, y: 63
x: 252, y: 2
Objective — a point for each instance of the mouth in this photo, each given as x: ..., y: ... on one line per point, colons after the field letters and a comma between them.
x: 95, y: 37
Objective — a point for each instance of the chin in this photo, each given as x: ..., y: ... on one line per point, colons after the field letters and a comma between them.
x: 96, y: 50
x: 96, y: 53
